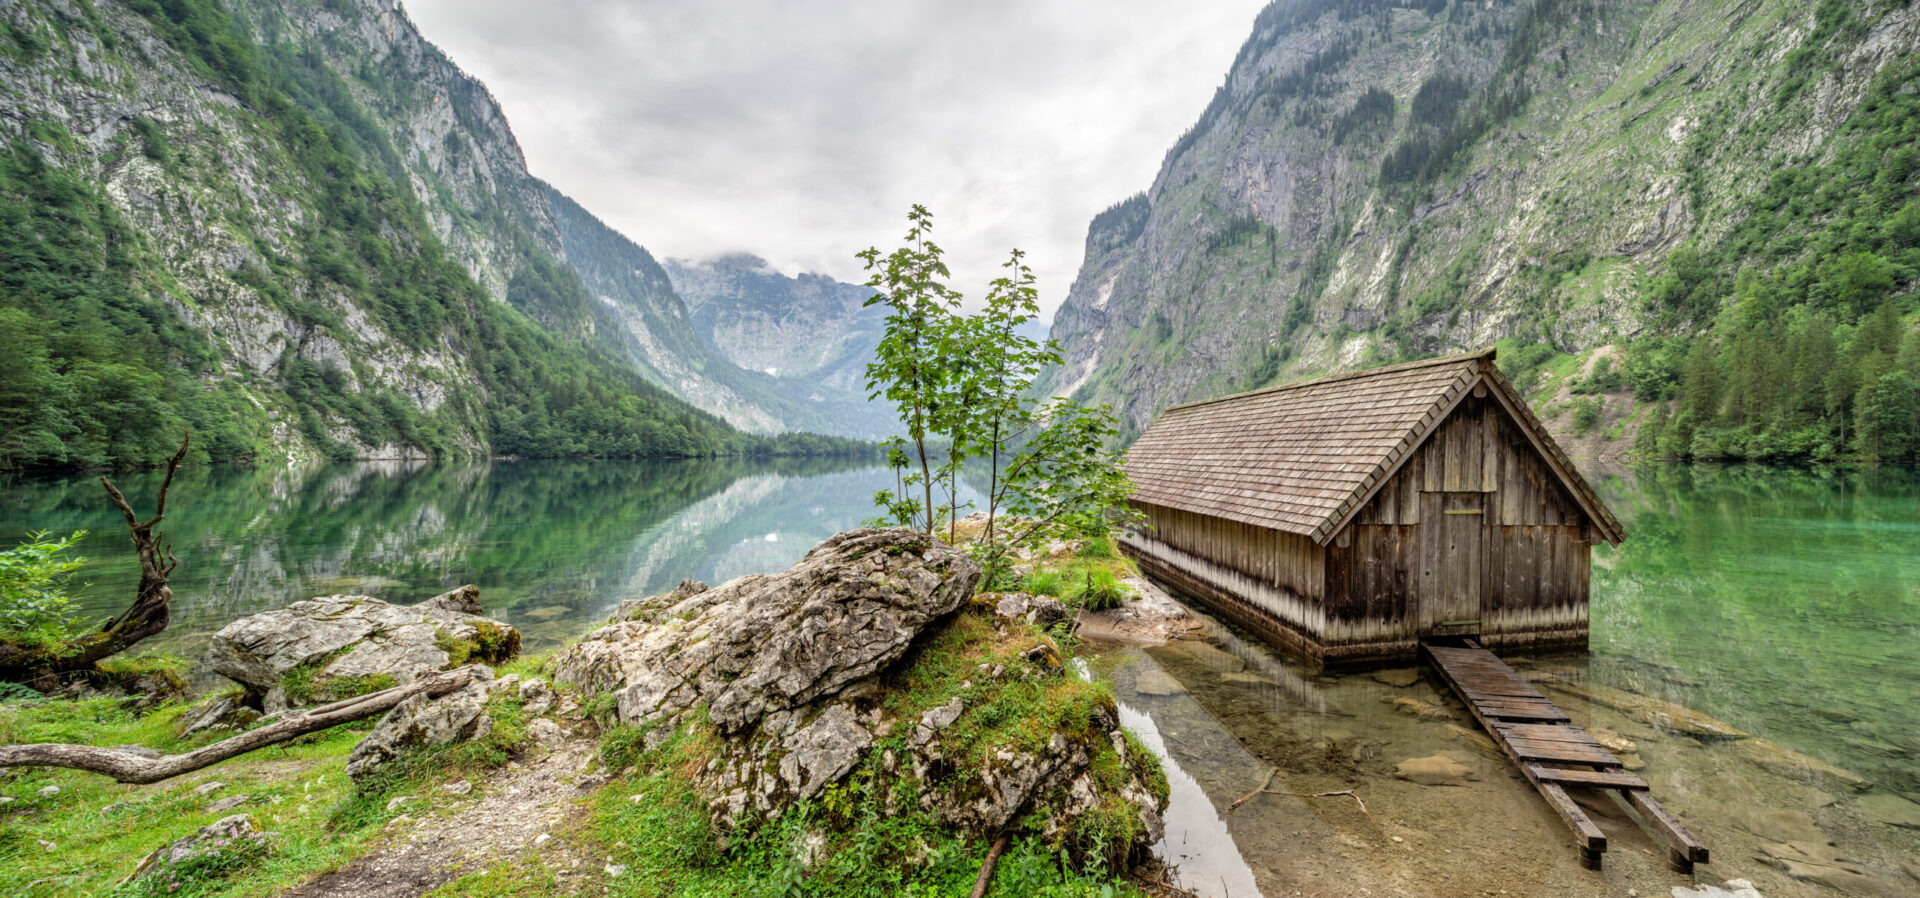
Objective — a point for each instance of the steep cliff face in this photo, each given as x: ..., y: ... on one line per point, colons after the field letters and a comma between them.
x: 1384, y: 180
x: 320, y: 237
x: 208, y: 226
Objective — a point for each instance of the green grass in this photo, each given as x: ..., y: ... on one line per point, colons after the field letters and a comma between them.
x: 101, y: 829
x: 652, y: 821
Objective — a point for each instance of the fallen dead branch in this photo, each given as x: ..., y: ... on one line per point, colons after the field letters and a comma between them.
x: 1267, y: 791
x: 43, y: 666
x: 134, y: 767
x: 986, y: 869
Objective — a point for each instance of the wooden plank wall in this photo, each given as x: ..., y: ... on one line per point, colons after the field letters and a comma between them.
x: 1285, y: 560
x: 1535, y: 564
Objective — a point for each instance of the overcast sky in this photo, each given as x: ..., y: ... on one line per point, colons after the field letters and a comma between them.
x: 802, y: 130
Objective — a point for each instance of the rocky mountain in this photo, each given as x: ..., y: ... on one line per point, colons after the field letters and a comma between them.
x: 808, y: 327
x: 1604, y: 187
x: 300, y: 229
x: 669, y: 333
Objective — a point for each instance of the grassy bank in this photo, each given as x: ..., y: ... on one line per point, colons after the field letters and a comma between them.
x: 648, y: 825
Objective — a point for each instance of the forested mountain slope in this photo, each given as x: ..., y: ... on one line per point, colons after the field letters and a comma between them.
x: 1691, y: 220
x: 299, y: 229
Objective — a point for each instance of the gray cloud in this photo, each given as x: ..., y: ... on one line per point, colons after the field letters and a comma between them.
x: 801, y: 130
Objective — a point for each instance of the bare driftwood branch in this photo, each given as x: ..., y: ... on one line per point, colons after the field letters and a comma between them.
x: 1263, y: 790
x: 129, y: 767
x: 148, y: 615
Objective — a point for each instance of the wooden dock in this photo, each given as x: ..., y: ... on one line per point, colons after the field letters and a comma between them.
x: 1552, y: 753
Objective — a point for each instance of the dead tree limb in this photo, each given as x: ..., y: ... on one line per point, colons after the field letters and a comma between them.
x: 149, y: 614
x: 986, y: 869
x: 130, y: 767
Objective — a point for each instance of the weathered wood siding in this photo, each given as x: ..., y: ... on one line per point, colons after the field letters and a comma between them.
x: 1268, y: 572
x: 1531, y: 560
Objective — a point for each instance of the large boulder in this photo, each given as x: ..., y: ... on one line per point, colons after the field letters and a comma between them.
x: 762, y: 648
x: 288, y: 657
x: 797, y: 676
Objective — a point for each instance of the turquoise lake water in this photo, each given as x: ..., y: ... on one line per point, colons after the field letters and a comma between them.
x: 1783, y: 601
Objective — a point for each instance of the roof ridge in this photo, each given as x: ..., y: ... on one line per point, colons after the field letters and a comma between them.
x: 1487, y: 354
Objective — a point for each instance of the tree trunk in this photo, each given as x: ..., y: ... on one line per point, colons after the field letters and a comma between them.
x: 133, y: 767
x: 43, y: 668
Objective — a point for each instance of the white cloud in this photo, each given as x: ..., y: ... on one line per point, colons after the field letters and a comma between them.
x: 801, y: 130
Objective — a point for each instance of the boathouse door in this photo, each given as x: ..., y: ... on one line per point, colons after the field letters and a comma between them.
x: 1452, y: 552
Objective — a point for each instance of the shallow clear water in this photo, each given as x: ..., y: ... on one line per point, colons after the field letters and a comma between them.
x: 1784, y: 602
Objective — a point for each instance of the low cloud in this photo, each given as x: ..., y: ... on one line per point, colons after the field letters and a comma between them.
x: 801, y: 130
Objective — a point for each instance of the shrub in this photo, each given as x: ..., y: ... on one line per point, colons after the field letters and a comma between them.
x: 1586, y: 413
x: 35, y: 593
x: 1044, y: 583
x: 1097, y: 590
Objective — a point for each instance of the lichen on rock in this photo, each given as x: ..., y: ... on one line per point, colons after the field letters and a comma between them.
x: 333, y: 647
x: 864, y: 675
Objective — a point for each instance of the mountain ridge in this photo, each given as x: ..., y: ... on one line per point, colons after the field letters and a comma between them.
x: 1377, y: 181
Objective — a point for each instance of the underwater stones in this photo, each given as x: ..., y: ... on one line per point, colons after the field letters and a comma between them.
x: 1480, y: 742
x: 1783, y: 761
x: 1433, y: 770
x: 1398, y: 679
x: 1732, y: 888
x: 1779, y: 825
x: 1154, y: 681
x: 1612, y: 741
x: 1205, y: 654
x: 1822, y: 864
x: 1656, y: 712
x: 1414, y: 707
x: 358, y: 637
x: 1889, y: 809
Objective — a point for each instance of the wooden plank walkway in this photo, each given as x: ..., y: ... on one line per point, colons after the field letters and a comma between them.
x: 1552, y: 753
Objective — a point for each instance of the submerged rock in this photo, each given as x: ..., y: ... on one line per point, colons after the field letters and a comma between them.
x: 1889, y: 809
x: 1817, y: 862
x: 1433, y: 770
x: 1663, y: 714
x: 1780, y: 760
x: 1154, y: 681
x: 286, y: 658
x: 1398, y: 679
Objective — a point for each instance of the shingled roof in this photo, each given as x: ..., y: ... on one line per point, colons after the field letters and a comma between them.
x: 1305, y: 457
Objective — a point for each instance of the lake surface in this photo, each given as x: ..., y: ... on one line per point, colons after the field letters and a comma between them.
x: 553, y: 546
x: 1785, y: 602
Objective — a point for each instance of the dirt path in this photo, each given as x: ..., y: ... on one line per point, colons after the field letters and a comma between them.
x: 518, y: 804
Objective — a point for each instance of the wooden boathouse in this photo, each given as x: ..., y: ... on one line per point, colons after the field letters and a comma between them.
x: 1346, y: 519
